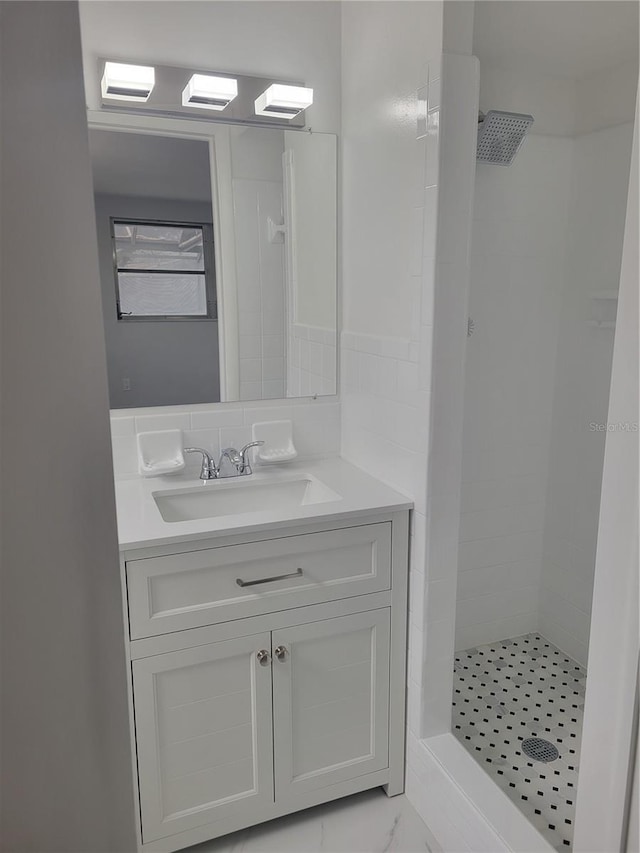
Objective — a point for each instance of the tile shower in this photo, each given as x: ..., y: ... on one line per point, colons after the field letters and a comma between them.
x: 545, y: 261
x: 518, y: 707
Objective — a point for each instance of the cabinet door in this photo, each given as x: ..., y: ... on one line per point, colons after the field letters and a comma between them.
x: 331, y: 701
x: 203, y: 734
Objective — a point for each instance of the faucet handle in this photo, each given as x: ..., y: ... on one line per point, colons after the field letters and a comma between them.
x: 244, y: 459
x: 209, y: 469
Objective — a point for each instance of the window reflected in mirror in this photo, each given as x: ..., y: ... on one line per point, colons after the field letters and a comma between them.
x: 217, y: 263
x: 161, y: 270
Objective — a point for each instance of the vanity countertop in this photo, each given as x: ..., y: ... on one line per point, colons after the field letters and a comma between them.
x: 140, y: 524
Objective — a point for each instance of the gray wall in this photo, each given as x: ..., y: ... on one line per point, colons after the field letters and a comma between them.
x: 66, y: 783
x: 168, y: 362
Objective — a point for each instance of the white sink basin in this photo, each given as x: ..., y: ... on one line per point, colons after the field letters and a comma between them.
x: 238, y: 497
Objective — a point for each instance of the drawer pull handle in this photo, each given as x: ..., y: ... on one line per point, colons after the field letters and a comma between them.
x: 296, y: 574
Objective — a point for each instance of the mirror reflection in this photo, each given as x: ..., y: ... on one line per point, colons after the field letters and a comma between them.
x: 217, y: 263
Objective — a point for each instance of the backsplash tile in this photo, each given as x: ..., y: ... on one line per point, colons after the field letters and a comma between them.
x: 221, y: 417
x: 123, y: 426
x: 316, y: 428
x: 208, y: 439
x: 153, y: 423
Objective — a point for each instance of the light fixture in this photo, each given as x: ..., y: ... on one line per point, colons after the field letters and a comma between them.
x: 127, y: 82
x: 208, y: 92
x: 282, y: 101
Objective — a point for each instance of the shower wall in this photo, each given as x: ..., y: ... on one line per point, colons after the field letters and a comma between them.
x: 547, y: 235
x: 517, y: 273
x: 600, y: 173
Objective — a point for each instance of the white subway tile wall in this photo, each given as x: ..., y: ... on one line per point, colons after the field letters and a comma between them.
x: 259, y: 276
x: 311, y: 361
x: 316, y: 428
x: 457, y: 128
x: 386, y: 377
x: 515, y: 299
x: 389, y: 409
x: 581, y: 394
x: 547, y: 236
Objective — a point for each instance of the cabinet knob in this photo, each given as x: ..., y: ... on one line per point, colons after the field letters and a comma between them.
x: 263, y: 657
x: 281, y: 653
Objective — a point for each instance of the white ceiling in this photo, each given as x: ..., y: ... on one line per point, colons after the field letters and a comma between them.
x: 137, y: 164
x: 559, y: 38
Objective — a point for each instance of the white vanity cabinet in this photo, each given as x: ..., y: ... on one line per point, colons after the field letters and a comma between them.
x: 203, y: 734
x: 267, y: 673
x: 330, y: 701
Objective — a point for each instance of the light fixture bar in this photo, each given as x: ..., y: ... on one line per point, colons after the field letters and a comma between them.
x: 283, y: 101
x: 206, y: 92
x: 122, y: 82
x: 201, y: 94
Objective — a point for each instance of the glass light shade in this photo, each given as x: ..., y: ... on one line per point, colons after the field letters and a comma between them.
x: 209, y: 93
x: 283, y: 101
x: 127, y: 82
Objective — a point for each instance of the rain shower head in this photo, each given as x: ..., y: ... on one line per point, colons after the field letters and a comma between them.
x: 500, y: 135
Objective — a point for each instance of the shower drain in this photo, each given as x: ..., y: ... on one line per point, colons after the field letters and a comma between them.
x: 539, y: 749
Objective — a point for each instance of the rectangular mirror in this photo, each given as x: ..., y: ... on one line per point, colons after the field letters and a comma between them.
x: 217, y: 249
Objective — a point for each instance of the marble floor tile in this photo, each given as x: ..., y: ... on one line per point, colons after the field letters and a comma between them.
x: 369, y: 822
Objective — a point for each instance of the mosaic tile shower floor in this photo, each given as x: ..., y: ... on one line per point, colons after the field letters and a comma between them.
x: 515, y: 689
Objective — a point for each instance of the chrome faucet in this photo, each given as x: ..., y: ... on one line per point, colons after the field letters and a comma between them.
x: 209, y: 470
x: 237, y: 461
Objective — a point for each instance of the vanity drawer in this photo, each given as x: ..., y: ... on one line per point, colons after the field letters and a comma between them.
x: 200, y: 588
